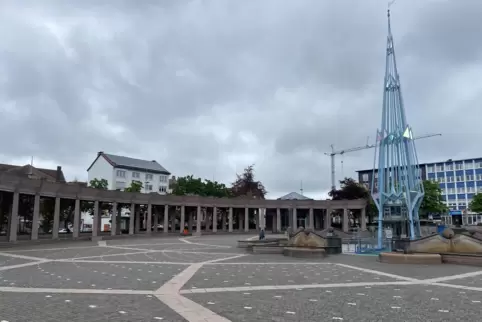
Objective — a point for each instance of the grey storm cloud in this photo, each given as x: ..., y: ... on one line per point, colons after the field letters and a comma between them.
x: 209, y: 87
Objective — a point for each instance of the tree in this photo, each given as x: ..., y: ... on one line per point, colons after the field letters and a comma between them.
x: 246, y: 185
x: 136, y: 186
x: 190, y: 186
x: 88, y: 206
x: 433, y: 200
x: 349, y: 190
x: 476, y: 203
x: 99, y: 184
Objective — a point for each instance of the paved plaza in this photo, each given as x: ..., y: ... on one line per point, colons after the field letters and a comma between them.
x: 208, y: 279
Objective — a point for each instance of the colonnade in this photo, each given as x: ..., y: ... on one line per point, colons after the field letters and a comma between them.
x: 154, y: 212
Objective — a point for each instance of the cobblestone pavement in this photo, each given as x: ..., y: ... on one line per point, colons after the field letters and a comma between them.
x: 208, y: 279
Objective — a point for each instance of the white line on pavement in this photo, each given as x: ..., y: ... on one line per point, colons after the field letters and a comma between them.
x: 4, y: 268
x: 289, y: 287
x: 271, y: 263
x: 119, y: 262
x: 366, y: 270
x: 71, y: 291
x: 462, y: 287
x: 191, y: 311
x: 187, y: 241
x: 223, y: 259
x: 22, y: 256
x: 453, y: 277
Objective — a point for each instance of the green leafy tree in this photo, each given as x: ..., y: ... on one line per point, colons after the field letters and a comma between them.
x: 476, y: 203
x: 433, y: 200
x: 349, y: 190
x: 136, y: 186
x: 246, y: 185
x: 190, y: 186
x: 99, y: 184
x: 88, y: 206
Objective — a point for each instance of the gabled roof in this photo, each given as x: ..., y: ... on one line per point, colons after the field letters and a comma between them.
x: 25, y: 170
x: 294, y: 196
x: 121, y: 162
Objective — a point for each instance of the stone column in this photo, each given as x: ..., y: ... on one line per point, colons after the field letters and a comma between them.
x: 223, y: 220
x: 246, y: 219
x: 345, y: 220
x: 311, y: 220
x: 156, y: 219
x: 95, y: 224
x: 166, y: 219
x: 190, y: 222
x: 230, y: 219
x: 363, y: 219
x: 55, y: 228
x: 149, y: 218
x: 13, y: 222
x: 278, y: 220
x: 295, y: 219
x: 183, y: 219
x: 240, y: 221
x: 76, y: 219
x: 138, y: 220
x: 328, y: 218
x: 113, y: 220
x: 198, y: 220
x: 173, y: 222
x: 215, y: 219
x: 132, y: 218
x: 273, y: 223
x: 35, y: 218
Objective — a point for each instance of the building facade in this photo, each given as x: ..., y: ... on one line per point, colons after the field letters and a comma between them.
x: 459, y: 180
x: 120, y: 172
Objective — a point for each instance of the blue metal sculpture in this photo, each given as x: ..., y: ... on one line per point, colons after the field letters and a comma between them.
x: 397, y: 188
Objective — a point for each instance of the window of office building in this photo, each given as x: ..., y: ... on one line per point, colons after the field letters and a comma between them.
x: 449, y: 179
x: 450, y: 190
x: 469, y: 165
x: 163, y: 178
x: 458, y: 166
x: 149, y: 187
x: 119, y: 185
x: 460, y: 189
x: 459, y: 178
x: 469, y: 177
x: 479, y: 176
x: 470, y: 189
x: 136, y: 175
x: 162, y: 189
x: 148, y: 176
x: 365, y: 177
x: 121, y: 173
x: 478, y: 164
x: 440, y: 168
x: 449, y: 167
x: 430, y: 168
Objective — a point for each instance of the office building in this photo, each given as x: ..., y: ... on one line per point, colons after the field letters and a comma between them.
x: 459, y: 180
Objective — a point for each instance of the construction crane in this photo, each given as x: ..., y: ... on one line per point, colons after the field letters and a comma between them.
x: 368, y: 146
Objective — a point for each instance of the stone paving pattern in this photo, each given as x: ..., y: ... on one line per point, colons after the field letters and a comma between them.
x: 8, y: 261
x: 387, y: 303
x: 91, y: 275
x: 208, y: 279
x: 81, y: 308
x: 227, y: 275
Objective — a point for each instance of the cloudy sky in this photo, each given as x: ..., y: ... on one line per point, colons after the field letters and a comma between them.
x: 209, y: 87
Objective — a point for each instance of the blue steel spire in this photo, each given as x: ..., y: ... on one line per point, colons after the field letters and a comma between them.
x: 398, y: 189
